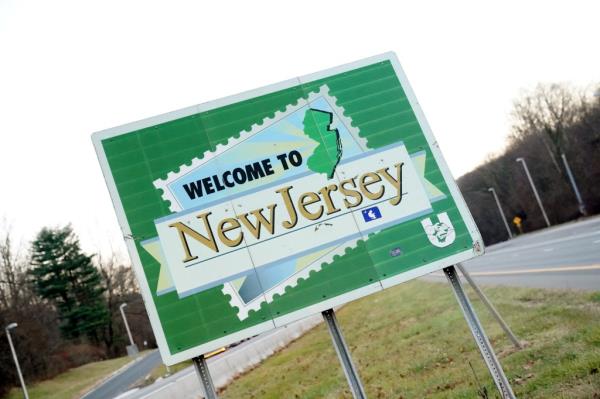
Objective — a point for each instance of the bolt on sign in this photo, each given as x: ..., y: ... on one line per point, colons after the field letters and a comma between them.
x: 247, y: 213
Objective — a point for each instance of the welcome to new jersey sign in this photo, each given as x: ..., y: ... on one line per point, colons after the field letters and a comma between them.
x: 250, y: 212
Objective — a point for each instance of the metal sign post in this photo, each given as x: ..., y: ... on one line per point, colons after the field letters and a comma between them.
x: 490, y: 307
x: 204, y: 376
x: 358, y: 392
x: 487, y: 352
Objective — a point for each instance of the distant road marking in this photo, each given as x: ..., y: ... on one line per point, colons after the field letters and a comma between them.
x: 548, y: 249
x: 540, y: 244
x: 596, y: 242
x: 529, y: 271
x: 542, y: 270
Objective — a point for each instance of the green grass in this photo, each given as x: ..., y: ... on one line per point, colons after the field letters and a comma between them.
x: 72, y: 383
x: 411, y: 341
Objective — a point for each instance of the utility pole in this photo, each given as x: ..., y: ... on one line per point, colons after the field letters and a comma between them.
x: 537, y: 197
x: 574, y: 185
x: 510, y: 236
x: 14, y: 353
x: 131, y: 348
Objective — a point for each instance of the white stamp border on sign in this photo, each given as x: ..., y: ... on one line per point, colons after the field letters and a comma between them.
x: 255, y: 304
x: 197, y: 162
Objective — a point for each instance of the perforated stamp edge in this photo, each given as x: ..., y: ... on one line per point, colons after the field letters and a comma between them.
x: 197, y: 162
x: 292, y: 281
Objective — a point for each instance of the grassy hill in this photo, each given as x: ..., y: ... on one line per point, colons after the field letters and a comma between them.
x: 411, y: 341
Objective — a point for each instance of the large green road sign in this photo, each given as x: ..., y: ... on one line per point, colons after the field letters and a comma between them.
x: 253, y: 211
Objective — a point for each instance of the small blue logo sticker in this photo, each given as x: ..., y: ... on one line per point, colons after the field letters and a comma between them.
x: 371, y: 214
x: 395, y: 252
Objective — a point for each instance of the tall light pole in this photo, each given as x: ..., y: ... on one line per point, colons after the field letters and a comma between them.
x: 14, y: 353
x: 537, y: 197
x: 510, y: 236
x: 133, y: 349
x: 574, y: 185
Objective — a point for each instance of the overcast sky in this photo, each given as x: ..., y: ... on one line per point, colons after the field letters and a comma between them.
x: 70, y: 68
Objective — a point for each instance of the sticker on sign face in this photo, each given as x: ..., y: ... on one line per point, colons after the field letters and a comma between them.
x: 371, y: 214
x: 440, y: 234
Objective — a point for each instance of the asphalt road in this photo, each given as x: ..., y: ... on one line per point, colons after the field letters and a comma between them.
x: 121, y: 382
x: 565, y: 256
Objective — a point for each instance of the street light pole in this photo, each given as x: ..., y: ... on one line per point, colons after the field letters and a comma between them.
x: 126, y: 324
x: 574, y: 185
x: 537, y: 197
x: 14, y: 353
x: 510, y: 236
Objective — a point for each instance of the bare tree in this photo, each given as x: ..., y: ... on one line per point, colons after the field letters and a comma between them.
x: 121, y: 286
x: 547, y: 122
x: 547, y: 112
x: 12, y: 266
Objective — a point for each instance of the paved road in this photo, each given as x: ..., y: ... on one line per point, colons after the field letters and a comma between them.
x: 121, y: 382
x: 565, y: 256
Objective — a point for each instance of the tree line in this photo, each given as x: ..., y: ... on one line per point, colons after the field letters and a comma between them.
x: 549, y: 122
x: 66, y: 305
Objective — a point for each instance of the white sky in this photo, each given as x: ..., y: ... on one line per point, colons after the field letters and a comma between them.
x: 69, y: 68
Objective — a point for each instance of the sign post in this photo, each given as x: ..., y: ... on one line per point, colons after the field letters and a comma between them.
x: 204, y: 376
x: 250, y: 212
x: 490, y: 307
x: 517, y: 222
x: 481, y: 339
x: 356, y: 387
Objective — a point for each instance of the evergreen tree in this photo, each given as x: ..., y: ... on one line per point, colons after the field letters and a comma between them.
x: 65, y: 276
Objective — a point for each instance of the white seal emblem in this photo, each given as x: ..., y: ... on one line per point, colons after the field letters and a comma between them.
x: 440, y: 234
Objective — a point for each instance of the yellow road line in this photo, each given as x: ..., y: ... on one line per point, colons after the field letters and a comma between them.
x: 528, y: 271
